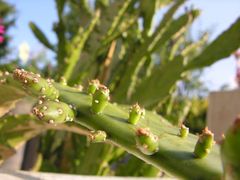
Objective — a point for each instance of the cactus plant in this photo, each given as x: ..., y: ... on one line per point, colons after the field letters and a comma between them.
x: 164, y: 146
x: 230, y: 151
x: 113, y: 49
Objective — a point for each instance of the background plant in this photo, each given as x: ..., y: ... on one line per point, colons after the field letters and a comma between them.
x: 7, y: 18
x: 106, y: 41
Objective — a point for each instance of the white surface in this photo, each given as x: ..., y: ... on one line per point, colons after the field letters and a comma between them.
x: 24, y: 175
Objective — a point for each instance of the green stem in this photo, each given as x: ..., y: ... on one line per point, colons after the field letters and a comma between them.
x: 75, y: 55
x: 175, y: 154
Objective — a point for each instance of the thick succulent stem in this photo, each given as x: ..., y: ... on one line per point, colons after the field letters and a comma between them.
x: 230, y: 149
x: 175, y: 154
x: 169, y: 152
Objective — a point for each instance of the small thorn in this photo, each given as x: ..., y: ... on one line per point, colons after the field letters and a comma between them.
x: 2, y: 81
x: 60, y: 111
x: 43, y: 90
x: 96, y: 101
x: 35, y: 80
x: 6, y: 73
x: 45, y: 108
x: 51, y: 121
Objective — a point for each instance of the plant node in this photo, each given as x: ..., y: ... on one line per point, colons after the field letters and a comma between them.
x: 146, y: 141
x: 204, y: 144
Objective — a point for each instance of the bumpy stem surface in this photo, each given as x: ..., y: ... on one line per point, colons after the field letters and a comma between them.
x: 175, y: 154
x: 169, y: 152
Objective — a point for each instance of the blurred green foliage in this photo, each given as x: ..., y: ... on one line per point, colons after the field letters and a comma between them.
x: 117, y: 43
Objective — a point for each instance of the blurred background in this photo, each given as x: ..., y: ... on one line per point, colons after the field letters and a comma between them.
x: 216, y: 16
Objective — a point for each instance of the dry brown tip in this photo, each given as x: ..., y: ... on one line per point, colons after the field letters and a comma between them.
x: 143, y: 131
x: 94, y: 81
x: 206, y: 131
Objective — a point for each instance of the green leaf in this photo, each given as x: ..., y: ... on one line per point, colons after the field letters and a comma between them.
x: 60, y: 6
x: 220, y: 48
x: 159, y: 83
x: 110, y: 18
x: 130, y: 76
x: 9, y: 96
x: 77, y: 45
x: 147, y: 11
x: 41, y: 36
x: 193, y: 47
x: 14, y: 130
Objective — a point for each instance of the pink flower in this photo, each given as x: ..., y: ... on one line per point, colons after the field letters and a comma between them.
x: 1, y: 39
x: 2, y: 29
x: 238, y: 76
x: 237, y: 54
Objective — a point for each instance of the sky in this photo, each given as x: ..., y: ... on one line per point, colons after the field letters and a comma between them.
x: 216, y: 16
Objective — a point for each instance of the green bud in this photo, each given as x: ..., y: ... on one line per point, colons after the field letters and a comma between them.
x: 79, y: 87
x: 230, y: 148
x: 100, y: 99
x: 4, y: 77
x: 183, y: 131
x: 135, y: 113
x: 147, y: 142
x: 93, y: 86
x: 204, y: 144
x: 63, y: 81
x: 53, y: 111
x: 35, y: 85
x: 97, y: 136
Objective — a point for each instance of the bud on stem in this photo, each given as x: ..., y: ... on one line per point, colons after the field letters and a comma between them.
x: 53, y: 112
x: 204, y: 144
x: 97, y: 136
x: 183, y: 131
x: 135, y: 113
x: 100, y: 99
x: 147, y: 142
x: 63, y: 81
x: 35, y: 85
x: 93, y: 86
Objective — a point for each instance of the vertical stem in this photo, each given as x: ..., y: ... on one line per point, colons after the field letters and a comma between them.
x: 107, y: 62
